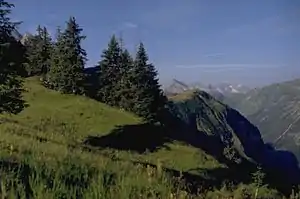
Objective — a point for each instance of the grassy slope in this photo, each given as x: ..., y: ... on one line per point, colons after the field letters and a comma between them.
x: 47, y: 137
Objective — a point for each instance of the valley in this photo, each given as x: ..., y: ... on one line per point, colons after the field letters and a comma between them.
x: 275, y: 109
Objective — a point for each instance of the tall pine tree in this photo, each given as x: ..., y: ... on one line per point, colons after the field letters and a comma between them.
x: 110, y: 73
x: 11, y: 64
x: 149, y: 99
x: 39, y: 49
x: 53, y: 78
x: 125, y: 87
x: 68, y: 59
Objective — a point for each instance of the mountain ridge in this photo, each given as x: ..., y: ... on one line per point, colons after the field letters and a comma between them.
x: 214, y: 122
x: 220, y: 91
x: 275, y: 109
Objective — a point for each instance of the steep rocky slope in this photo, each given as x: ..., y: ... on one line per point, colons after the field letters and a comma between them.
x: 275, y: 109
x: 210, y: 124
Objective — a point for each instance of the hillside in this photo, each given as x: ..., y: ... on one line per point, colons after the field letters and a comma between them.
x: 50, y: 132
x: 275, y: 109
x: 65, y: 146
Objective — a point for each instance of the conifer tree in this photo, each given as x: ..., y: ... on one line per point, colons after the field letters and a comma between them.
x: 126, y: 88
x: 109, y: 73
x: 149, y: 99
x: 39, y: 49
x: 11, y: 64
x: 53, y: 78
x: 31, y: 44
x: 66, y: 72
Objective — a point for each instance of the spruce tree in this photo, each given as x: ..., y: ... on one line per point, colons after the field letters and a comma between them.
x: 11, y: 64
x: 31, y: 45
x: 39, y: 49
x: 66, y: 72
x: 53, y: 78
x: 126, y: 88
x: 110, y: 73
x: 149, y: 99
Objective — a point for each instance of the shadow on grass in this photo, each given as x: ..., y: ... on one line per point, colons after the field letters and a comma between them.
x: 23, y: 171
x: 145, y: 137
x: 71, y: 176
x: 204, y: 180
x: 139, y: 138
x: 279, y: 166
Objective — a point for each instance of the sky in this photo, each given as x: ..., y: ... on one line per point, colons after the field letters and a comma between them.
x: 253, y: 42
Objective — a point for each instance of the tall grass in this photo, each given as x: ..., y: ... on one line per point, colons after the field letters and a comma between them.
x: 71, y: 178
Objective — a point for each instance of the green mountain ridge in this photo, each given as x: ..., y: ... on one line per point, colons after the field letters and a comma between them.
x: 275, y: 109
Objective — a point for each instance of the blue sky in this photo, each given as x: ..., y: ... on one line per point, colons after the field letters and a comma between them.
x: 251, y: 42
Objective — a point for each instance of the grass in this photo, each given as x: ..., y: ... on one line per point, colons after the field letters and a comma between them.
x: 182, y: 96
x: 43, y: 155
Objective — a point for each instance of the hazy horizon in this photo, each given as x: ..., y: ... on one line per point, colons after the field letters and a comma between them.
x: 254, y: 43
x: 250, y: 81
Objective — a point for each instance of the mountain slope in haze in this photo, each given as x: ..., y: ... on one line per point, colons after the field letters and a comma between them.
x: 224, y: 130
x: 275, y: 109
x: 176, y: 87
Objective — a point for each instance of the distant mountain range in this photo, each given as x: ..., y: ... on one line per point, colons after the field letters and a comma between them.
x: 275, y: 109
x: 219, y: 91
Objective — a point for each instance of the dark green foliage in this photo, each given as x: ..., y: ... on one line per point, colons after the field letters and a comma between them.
x: 110, y: 73
x: 126, y: 86
x: 258, y: 177
x: 91, y: 86
x: 130, y: 84
x: 11, y: 64
x: 149, y: 99
x: 39, y: 49
x: 67, y: 61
